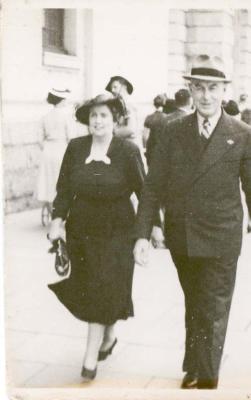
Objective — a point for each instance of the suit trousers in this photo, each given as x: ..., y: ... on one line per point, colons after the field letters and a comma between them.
x: 208, y: 285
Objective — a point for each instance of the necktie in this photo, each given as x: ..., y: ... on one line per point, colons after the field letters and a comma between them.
x: 205, y: 132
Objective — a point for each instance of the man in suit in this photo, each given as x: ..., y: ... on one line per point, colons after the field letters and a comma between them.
x: 153, y: 125
x: 195, y: 175
x: 183, y: 101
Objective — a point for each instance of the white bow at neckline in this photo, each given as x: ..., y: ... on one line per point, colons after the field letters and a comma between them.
x: 104, y: 158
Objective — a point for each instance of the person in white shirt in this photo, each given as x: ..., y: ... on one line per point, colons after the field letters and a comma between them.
x: 54, y: 135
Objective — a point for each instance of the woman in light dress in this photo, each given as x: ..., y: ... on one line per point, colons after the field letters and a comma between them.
x: 54, y: 135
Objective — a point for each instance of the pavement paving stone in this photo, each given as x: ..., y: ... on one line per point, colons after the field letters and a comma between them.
x: 116, y: 379
x: 161, y: 383
x: 46, y: 343
x: 16, y: 339
x: 52, y: 349
x: 165, y: 332
x: 147, y: 361
x: 19, y: 371
x: 55, y: 376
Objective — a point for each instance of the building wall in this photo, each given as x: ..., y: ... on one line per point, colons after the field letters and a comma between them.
x: 151, y: 46
x: 211, y: 32
x: 226, y: 33
x: 28, y: 74
x: 134, y: 45
x: 177, y: 38
x: 107, y: 41
x: 242, y: 52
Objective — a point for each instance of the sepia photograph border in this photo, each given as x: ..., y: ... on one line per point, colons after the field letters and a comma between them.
x: 112, y: 393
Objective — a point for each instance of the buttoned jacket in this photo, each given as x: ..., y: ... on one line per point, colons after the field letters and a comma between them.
x: 199, y: 188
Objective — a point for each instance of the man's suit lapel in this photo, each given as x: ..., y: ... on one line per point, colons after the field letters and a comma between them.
x: 222, y: 140
x: 189, y: 138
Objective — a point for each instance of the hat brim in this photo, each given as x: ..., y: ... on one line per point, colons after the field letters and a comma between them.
x: 206, y: 78
x: 83, y: 111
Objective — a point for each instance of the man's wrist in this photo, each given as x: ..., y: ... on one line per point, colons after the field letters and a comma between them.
x: 142, y: 240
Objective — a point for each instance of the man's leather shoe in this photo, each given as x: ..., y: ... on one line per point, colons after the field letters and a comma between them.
x: 190, y: 381
x: 207, y: 383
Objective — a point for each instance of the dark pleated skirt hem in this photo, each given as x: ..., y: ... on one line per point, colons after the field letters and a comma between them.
x: 81, y: 312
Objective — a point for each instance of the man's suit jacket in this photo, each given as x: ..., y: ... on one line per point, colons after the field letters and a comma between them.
x: 155, y: 123
x: 158, y: 129
x: 200, y: 190
x: 174, y: 115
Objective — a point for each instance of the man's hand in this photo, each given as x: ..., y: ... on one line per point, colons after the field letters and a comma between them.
x: 249, y: 226
x: 141, y: 252
x: 157, y: 238
x: 56, y: 230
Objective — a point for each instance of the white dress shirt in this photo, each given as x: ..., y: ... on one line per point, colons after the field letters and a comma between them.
x: 212, y: 121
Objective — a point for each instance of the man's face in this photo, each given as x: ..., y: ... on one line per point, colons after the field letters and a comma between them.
x: 207, y: 96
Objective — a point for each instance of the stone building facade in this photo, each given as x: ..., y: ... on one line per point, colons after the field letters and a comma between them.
x: 152, y: 46
x: 226, y: 33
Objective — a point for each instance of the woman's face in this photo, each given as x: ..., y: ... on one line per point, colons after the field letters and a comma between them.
x: 101, y: 121
x: 116, y: 88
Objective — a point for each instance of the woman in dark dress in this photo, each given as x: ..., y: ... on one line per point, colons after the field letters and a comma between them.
x: 99, y: 173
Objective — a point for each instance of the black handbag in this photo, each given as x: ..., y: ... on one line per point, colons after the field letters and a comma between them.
x: 62, y: 262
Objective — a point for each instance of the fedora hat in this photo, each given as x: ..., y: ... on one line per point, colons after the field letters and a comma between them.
x: 114, y: 103
x: 207, y: 68
x: 119, y: 78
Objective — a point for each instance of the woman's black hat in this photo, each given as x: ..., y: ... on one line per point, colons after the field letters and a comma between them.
x: 114, y: 103
x: 120, y: 79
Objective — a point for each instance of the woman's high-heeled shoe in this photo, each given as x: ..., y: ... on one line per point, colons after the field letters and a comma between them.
x: 88, y: 374
x: 102, y: 355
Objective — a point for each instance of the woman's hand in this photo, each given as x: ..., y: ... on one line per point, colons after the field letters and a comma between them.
x: 157, y: 238
x: 56, y: 230
x: 249, y: 225
x: 141, y: 252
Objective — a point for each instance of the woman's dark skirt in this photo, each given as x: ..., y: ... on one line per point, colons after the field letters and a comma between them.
x: 99, y: 287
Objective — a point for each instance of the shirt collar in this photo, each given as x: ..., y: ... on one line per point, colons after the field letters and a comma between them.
x: 213, y: 120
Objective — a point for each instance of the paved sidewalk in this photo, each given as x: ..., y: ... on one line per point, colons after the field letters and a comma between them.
x: 45, y: 343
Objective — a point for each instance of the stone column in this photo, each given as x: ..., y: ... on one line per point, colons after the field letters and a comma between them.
x: 176, y: 50
x: 242, y: 53
x: 210, y: 32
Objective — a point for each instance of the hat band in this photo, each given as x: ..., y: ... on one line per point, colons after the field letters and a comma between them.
x: 208, y: 72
